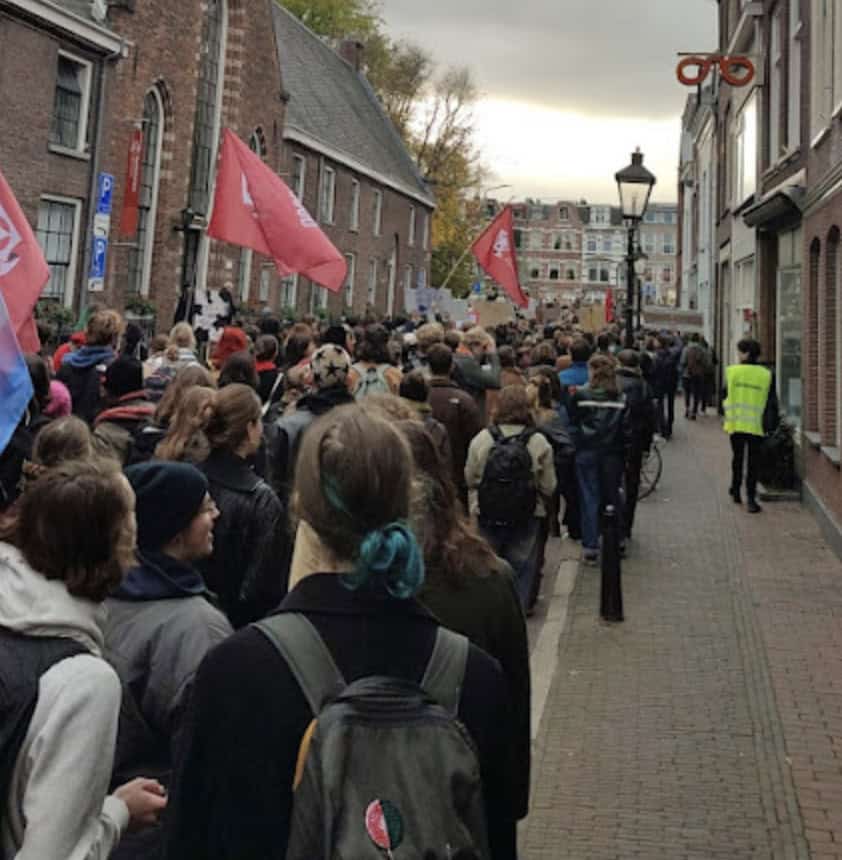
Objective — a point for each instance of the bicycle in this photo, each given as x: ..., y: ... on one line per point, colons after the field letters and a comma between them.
x: 651, y: 469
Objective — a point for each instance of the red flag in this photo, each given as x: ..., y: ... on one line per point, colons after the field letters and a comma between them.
x: 495, y: 252
x: 131, y: 197
x: 23, y: 270
x: 254, y: 208
x: 609, y: 305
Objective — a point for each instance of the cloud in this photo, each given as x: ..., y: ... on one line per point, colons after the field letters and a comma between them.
x: 600, y: 57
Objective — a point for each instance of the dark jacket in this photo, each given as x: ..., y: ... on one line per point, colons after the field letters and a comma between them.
x: 665, y: 371
x: 640, y: 400
x: 460, y: 415
x: 476, y: 378
x: 247, y: 568
x: 599, y: 421
x: 82, y: 372
x: 488, y: 611
x: 283, y: 437
x: 115, y: 428
x: 231, y: 797
x: 570, y: 380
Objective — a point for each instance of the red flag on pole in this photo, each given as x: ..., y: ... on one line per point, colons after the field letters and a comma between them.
x: 23, y: 269
x: 495, y: 252
x: 254, y: 208
x: 609, y: 305
x: 131, y: 197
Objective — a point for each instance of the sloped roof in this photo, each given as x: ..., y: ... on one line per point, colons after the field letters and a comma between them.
x: 333, y: 105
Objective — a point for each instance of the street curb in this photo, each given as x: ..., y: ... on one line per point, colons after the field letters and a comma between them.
x: 545, y: 654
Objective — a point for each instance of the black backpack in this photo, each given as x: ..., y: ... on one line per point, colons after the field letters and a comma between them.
x: 24, y: 659
x: 507, y: 491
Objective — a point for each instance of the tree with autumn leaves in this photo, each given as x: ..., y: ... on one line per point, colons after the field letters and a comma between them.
x: 432, y: 111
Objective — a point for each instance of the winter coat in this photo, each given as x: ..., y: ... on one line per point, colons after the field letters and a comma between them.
x: 543, y: 463
x: 476, y: 378
x: 115, y: 428
x: 640, y: 400
x: 486, y: 608
x: 267, y: 374
x: 665, y: 372
x: 159, y: 627
x: 460, y: 415
x: 599, y: 421
x: 246, y: 569
x: 56, y: 805
x: 82, y: 372
x: 570, y: 380
x: 231, y: 796
x: 555, y: 432
x: 283, y: 437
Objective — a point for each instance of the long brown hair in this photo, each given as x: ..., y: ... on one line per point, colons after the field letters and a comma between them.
x: 186, y: 439
x: 452, y: 548
x: 186, y: 378
x: 236, y: 407
x: 603, y: 373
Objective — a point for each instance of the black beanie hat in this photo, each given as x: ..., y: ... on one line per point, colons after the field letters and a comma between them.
x: 167, y: 498
x: 123, y: 376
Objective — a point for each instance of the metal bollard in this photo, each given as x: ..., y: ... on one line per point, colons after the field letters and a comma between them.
x: 611, y: 599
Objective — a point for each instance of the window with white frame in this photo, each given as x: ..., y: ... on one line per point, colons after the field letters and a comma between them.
x: 776, y: 77
x: 570, y: 274
x: 593, y: 274
x: 607, y: 245
x: 569, y: 242
x: 563, y: 213
x: 351, y: 260
x: 299, y: 175
x: 318, y: 298
x: 58, y: 236
x: 377, y: 212
x: 411, y: 236
x: 289, y: 291
x: 140, y: 256
x: 408, y: 274
x: 426, y: 236
x: 554, y: 272
x: 793, y: 134
x: 745, y: 150
x: 649, y: 243
x: 69, y: 125
x: 668, y: 243
x: 604, y: 275
x: 666, y: 274
x: 354, y: 219
x: 327, y: 198
x: 372, y: 281
x: 534, y: 272
x: 592, y: 245
x: 265, y: 283
x: 823, y: 23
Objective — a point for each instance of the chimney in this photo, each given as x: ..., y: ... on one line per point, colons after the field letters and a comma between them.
x: 351, y: 50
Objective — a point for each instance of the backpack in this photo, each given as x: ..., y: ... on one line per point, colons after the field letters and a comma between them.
x: 372, y: 381
x: 25, y: 659
x: 695, y: 360
x: 384, y: 769
x: 507, y: 491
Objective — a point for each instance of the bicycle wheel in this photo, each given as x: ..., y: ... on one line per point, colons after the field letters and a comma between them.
x: 650, y: 473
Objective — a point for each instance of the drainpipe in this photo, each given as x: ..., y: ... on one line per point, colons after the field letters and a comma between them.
x: 96, y: 161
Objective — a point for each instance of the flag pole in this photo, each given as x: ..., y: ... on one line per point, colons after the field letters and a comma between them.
x: 467, y: 250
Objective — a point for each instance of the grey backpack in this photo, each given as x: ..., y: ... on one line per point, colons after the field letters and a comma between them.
x: 372, y: 380
x: 385, y: 770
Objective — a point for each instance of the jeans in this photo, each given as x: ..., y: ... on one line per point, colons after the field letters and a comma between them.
x: 600, y: 477
x: 739, y: 443
x: 519, y: 546
x: 694, y: 392
x: 572, y: 507
x: 666, y: 413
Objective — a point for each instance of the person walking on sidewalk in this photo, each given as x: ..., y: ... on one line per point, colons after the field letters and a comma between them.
x: 694, y: 361
x: 748, y: 386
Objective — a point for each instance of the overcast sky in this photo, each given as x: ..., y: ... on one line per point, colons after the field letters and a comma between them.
x: 569, y: 87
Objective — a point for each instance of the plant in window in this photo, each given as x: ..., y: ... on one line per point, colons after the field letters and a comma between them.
x: 140, y: 306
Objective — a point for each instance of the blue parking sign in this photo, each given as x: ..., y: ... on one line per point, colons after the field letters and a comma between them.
x: 98, y: 257
x: 105, y: 190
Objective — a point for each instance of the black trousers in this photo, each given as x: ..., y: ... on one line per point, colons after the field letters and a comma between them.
x: 572, y: 506
x: 634, y: 461
x: 740, y: 442
x: 693, y: 394
x: 666, y: 413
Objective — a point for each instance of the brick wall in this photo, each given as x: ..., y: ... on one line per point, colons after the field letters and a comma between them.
x: 394, y: 234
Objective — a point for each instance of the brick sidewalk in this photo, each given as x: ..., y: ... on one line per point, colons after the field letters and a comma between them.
x: 709, y: 724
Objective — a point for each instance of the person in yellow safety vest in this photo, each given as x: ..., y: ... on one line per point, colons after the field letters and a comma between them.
x: 748, y: 387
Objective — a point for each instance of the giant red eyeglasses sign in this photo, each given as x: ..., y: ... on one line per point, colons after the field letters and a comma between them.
x: 736, y: 71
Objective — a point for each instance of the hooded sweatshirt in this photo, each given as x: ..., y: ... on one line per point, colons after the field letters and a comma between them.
x: 56, y: 806
x: 82, y: 371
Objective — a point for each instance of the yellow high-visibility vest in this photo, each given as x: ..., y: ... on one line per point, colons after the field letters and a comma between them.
x: 748, y: 391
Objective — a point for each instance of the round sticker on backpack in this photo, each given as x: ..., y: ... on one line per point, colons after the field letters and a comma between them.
x: 384, y: 825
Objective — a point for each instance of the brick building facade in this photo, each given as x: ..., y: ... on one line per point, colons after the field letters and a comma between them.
x: 345, y: 161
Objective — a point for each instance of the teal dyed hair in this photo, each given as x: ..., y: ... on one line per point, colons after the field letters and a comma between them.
x: 388, y: 556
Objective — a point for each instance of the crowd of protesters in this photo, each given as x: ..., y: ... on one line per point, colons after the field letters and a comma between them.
x: 378, y: 479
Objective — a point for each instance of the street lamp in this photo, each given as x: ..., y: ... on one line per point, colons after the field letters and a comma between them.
x: 635, y: 184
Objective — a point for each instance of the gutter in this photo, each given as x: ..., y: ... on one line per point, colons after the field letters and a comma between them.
x: 83, y: 29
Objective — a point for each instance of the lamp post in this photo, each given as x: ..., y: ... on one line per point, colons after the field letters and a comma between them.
x: 635, y: 185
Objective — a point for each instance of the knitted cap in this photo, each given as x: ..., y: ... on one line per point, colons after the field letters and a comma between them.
x: 167, y: 498
x: 330, y: 364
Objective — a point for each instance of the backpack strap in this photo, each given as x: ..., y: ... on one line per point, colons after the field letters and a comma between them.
x: 445, y: 673
x: 496, y: 432
x: 307, y: 656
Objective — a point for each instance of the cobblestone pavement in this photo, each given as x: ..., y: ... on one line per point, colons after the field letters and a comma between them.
x: 709, y: 724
